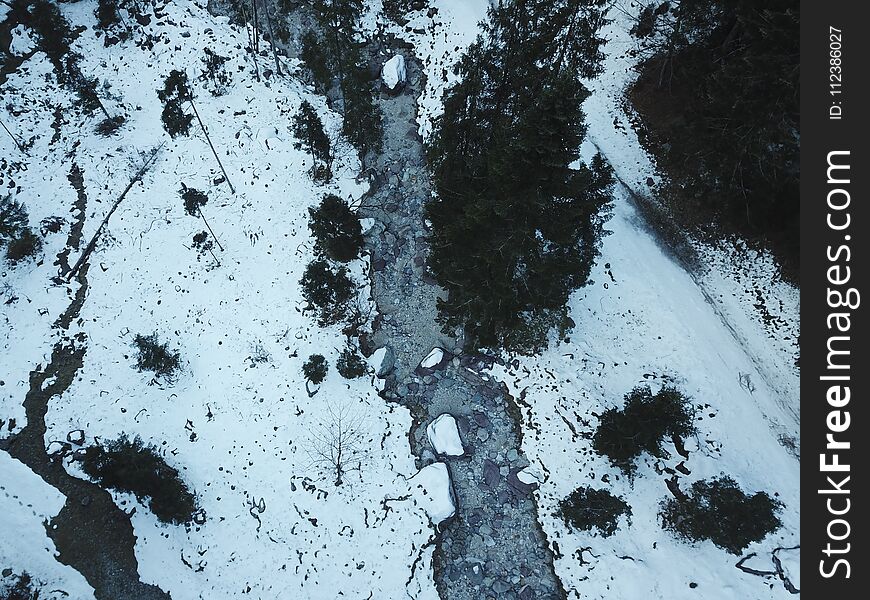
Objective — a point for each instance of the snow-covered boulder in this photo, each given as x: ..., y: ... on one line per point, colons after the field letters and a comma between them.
x: 22, y: 41
x: 444, y: 436
x: 434, y: 491
x: 393, y: 74
x: 432, y: 359
x: 436, y: 360
x: 383, y: 360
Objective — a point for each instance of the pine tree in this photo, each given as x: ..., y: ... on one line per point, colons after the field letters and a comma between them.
x: 13, y: 218
x: 15, y: 233
x: 328, y: 291
x: 342, y: 55
x: 175, y: 93
x: 54, y: 33
x: 308, y: 129
x: 336, y: 229
x: 718, y: 92
x: 515, y: 228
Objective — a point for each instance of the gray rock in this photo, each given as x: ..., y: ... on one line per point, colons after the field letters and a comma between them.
x: 500, y: 587
x: 491, y: 474
x: 388, y: 364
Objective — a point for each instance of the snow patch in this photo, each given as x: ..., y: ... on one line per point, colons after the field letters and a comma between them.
x: 22, y: 42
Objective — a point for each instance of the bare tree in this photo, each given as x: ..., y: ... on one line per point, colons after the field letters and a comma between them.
x: 337, y: 445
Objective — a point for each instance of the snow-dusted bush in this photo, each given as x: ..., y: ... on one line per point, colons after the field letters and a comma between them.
x: 644, y: 422
x: 25, y: 245
x: 336, y: 229
x: 718, y: 510
x: 215, y: 73
x: 156, y: 357
x: 587, y: 508
x: 315, y: 369
x: 15, y: 234
x: 350, y: 364
x: 328, y: 291
x: 139, y: 469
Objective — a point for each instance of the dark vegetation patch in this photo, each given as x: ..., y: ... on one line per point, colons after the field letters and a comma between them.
x: 132, y: 466
x: 350, y: 364
x: 328, y: 290
x: 642, y: 425
x: 336, y: 229
x: 718, y: 510
x: 15, y: 234
x: 587, y: 508
x: 315, y: 369
x: 156, y: 357
x: 718, y: 100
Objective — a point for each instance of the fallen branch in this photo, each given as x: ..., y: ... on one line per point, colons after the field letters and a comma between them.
x: 93, y: 243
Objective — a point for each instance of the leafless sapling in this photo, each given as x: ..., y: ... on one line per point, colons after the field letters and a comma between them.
x: 338, y: 444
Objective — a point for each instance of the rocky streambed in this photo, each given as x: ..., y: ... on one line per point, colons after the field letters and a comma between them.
x: 493, y: 547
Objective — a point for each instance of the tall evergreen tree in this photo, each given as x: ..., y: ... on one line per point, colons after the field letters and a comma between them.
x: 342, y: 55
x: 175, y: 93
x: 308, y: 129
x: 515, y: 228
x: 336, y: 228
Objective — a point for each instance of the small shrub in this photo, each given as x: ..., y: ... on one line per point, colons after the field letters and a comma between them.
x: 587, y: 508
x: 336, y: 229
x: 17, y: 587
x: 642, y: 425
x: 350, y: 364
x: 25, y: 245
x: 156, y: 357
x: 315, y: 369
x: 719, y: 511
x: 13, y: 218
x: 215, y: 73
x: 110, y: 125
x: 328, y: 291
x: 107, y: 14
x: 194, y: 200
x: 139, y: 469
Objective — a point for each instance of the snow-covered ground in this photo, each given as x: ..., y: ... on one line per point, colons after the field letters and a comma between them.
x: 26, y: 504
x: 239, y: 428
x: 238, y: 421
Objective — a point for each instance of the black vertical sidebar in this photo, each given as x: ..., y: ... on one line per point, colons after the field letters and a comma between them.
x: 835, y: 365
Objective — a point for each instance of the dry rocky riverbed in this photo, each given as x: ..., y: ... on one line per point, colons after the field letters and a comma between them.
x: 493, y: 546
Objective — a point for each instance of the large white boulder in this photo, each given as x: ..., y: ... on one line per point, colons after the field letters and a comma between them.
x: 393, y: 74
x: 444, y: 436
x: 434, y: 491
